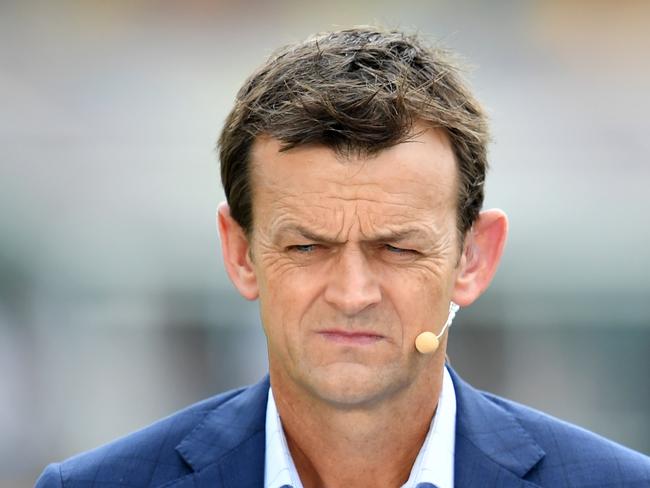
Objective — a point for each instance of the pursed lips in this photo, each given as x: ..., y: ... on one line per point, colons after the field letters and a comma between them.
x: 351, y: 337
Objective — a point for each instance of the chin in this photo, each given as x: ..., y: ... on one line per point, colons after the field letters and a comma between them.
x: 352, y: 385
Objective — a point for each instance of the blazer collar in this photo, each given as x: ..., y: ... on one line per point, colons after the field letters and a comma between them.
x: 492, y: 448
x: 227, y: 448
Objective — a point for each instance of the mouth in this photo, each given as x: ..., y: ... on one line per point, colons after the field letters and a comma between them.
x: 356, y: 338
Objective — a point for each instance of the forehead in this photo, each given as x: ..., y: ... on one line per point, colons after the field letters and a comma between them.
x: 412, y: 182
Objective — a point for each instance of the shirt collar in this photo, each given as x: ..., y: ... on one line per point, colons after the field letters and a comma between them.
x: 279, y: 469
x: 434, y: 463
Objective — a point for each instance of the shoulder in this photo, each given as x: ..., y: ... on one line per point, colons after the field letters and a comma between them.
x: 146, y: 457
x: 575, y: 456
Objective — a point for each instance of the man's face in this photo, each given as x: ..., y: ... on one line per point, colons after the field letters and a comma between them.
x: 353, y: 259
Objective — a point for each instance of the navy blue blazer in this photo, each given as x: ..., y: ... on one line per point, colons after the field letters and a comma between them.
x: 220, y: 443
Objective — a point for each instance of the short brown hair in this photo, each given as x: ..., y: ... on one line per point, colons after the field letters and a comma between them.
x: 358, y: 90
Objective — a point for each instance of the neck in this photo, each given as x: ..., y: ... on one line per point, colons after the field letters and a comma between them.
x: 367, y: 446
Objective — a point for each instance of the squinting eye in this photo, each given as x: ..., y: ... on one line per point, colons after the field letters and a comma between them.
x: 303, y: 248
x: 398, y: 250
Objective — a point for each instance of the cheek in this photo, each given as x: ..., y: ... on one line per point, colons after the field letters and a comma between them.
x: 286, y: 295
x: 419, y: 297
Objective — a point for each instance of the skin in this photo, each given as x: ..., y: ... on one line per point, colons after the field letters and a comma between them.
x: 352, y: 258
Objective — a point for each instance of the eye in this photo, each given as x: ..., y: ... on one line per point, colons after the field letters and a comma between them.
x: 398, y: 250
x: 303, y: 248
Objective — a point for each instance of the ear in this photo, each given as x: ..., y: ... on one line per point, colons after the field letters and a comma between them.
x: 482, y: 251
x: 236, y: 255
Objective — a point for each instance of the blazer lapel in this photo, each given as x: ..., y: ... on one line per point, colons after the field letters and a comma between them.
x: 227, y: 448
x: 492, y: 448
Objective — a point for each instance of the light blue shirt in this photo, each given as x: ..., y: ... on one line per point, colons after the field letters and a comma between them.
x: 434, y: 465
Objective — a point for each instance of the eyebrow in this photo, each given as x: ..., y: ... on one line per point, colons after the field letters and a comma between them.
x: 390, y: 236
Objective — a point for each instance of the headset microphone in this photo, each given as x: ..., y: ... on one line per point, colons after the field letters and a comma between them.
x: 427, y: 342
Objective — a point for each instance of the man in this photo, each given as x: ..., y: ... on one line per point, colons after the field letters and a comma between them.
x: 353, y: 165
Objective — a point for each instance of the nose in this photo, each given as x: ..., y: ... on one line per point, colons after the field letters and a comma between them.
x: 353, y: 286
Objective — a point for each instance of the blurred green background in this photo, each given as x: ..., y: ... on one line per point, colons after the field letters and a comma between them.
x: 114, y: 306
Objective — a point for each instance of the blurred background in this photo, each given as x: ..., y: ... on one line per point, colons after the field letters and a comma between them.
x: 115, y: 309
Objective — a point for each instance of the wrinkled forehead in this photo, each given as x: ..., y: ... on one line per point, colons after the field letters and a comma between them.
x: 413, y: 181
